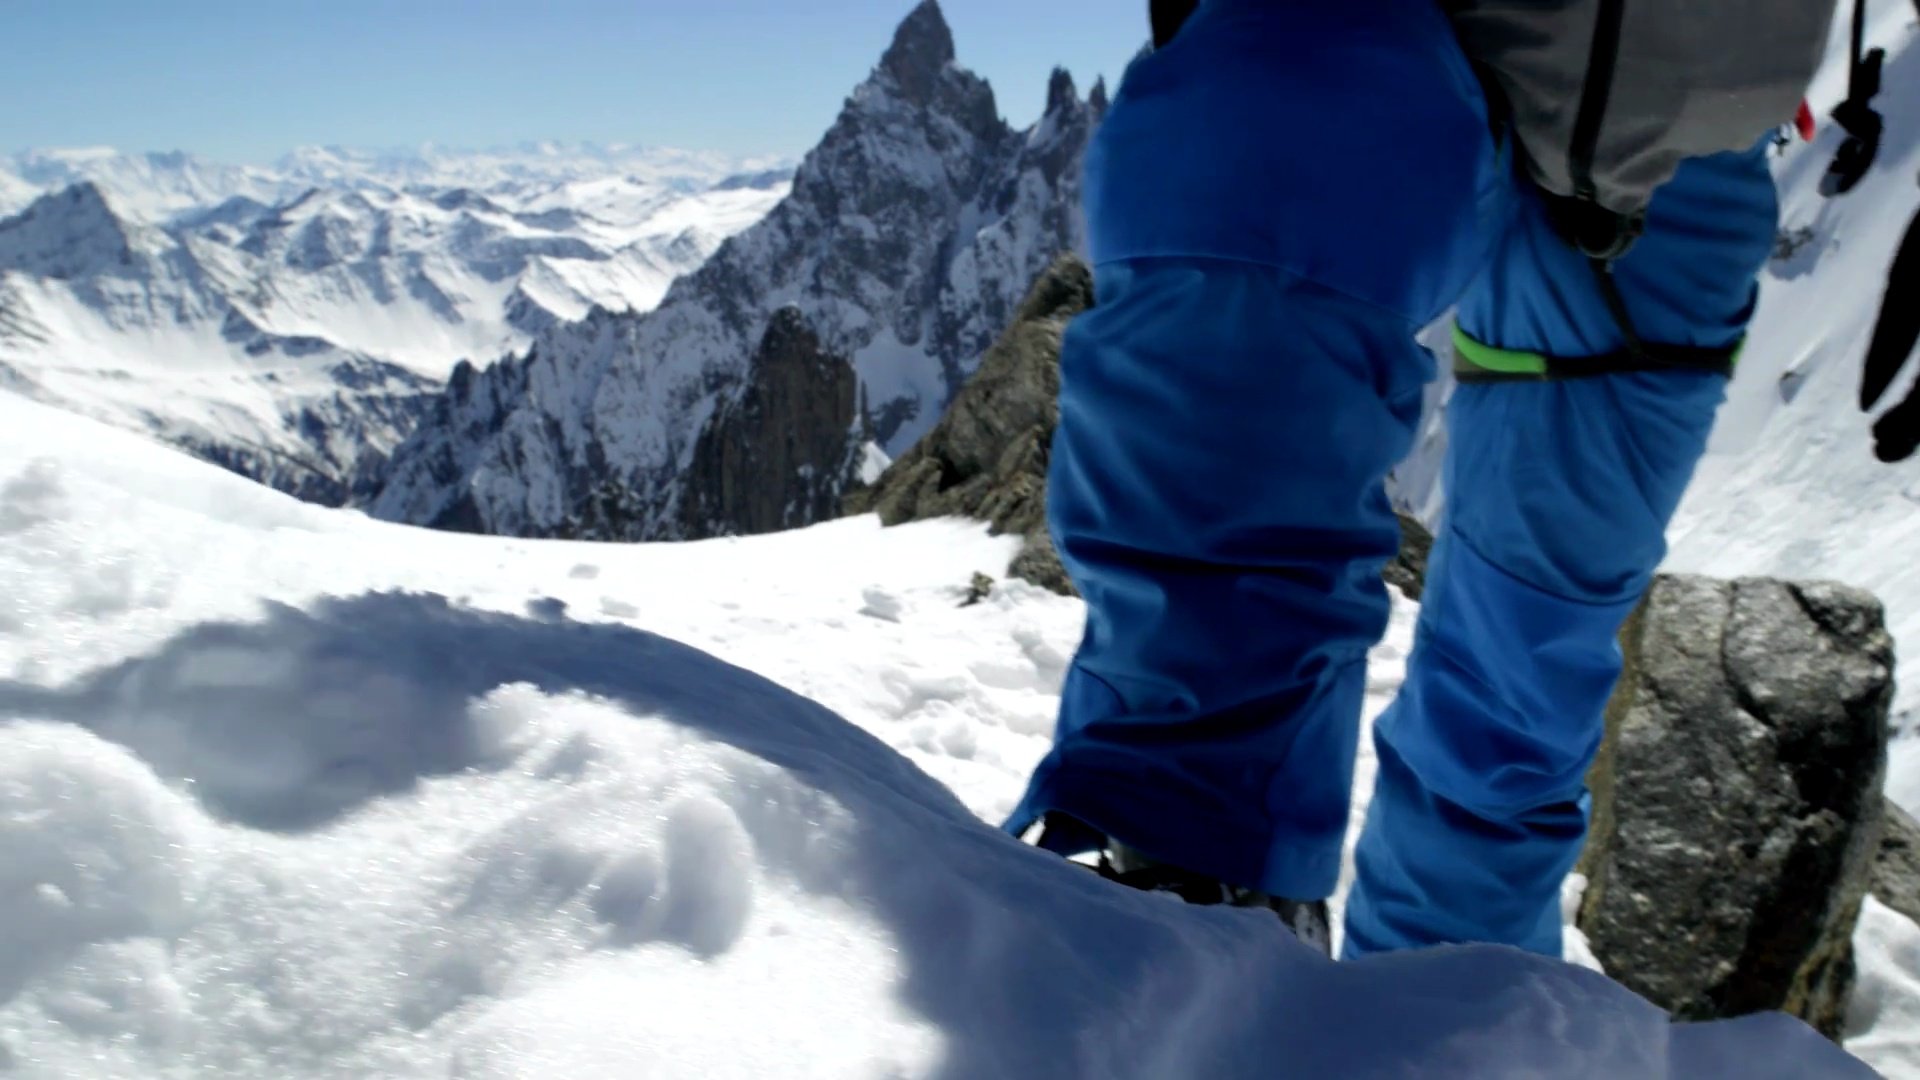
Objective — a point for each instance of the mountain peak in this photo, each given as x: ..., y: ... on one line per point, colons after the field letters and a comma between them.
x: 1062, y: 94
x: 80, y: 207
x: 922, y: 47
x: 67, y: 234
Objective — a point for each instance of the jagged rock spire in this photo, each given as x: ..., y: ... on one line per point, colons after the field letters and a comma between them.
x: 1061, y: 93
x: 922, y: 47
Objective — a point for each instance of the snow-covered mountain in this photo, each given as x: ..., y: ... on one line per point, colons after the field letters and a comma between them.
x: 295, y: 337
x: 912, y: 231
x: 171, y: 334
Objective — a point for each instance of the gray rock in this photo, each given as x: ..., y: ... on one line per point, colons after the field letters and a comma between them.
x: 1408, y: 569
x: 978, y: 589
x: 779, y: 455
x: 1739, y: 812
x: 1896, y: 868
x: 987, y: 457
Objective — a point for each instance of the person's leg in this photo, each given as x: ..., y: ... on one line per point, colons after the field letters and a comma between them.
x: 1558, y: 497
x: 1275, y: 202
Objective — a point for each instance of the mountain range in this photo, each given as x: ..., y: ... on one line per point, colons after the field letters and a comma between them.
x: 294, y: 323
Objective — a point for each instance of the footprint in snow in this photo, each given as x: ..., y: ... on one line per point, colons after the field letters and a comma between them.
x: 882, y: 605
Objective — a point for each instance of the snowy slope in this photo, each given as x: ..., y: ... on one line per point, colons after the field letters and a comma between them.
x: 1792, y: 487
x: 913, y: 230
x: 288, y: 792
x: 295, y: 341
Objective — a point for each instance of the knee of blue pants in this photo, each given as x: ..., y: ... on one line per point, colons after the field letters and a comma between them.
x: 1568, y: 486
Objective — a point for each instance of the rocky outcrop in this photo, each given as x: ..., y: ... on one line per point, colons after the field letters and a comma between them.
x: 1896, y: 867
x: 987, y: 457
x: 1407, y: 570
x: 1738, y: 810
x: 781, y: 454
x: 912, y: 230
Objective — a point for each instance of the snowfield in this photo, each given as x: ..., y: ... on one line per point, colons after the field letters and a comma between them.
x: 288, y: 792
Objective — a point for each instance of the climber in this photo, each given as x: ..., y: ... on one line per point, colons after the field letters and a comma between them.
x: 1283, y: 193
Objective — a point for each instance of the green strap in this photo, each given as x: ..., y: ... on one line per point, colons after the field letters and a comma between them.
x: 1497, y: 361
x: 1476, y: 361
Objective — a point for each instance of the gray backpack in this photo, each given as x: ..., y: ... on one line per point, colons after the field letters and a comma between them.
x: 1607, y: 97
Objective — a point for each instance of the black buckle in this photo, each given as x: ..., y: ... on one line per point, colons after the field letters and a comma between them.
x: 1600, y: 234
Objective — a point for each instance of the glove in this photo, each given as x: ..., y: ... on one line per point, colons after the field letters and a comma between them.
x: 1897, y: 433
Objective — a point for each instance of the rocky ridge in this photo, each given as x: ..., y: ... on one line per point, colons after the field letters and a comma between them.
x: 987, y: 457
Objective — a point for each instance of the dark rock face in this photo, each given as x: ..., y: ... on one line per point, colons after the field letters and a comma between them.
x: 780, y: 454
x: 1408, y: 569
x: 1738, y: 813
x: 987, y: 457
x: 1896, y: 867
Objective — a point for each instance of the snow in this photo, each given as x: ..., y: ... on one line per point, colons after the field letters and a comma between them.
x: 286, y: 791
x: 1885, y: 1012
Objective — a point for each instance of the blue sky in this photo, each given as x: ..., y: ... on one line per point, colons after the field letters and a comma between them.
x: 245, y: 81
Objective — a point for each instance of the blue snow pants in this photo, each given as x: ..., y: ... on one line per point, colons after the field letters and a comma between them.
x: 1276, y: 202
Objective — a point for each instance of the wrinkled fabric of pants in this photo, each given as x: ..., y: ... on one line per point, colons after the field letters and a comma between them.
x: 1277, y: 201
